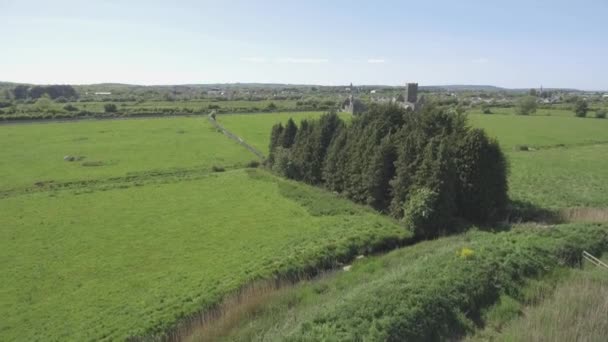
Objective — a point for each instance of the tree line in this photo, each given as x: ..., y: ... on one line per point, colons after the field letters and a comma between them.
x: 24, y: 92
x: 428, y: 168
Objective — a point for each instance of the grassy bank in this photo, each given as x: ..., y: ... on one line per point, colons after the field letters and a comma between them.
x: 571, y: 309
x: 434, y: 290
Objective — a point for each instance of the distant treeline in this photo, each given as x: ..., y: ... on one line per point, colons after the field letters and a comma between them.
x: 428, y: 167
x: 23, y: 92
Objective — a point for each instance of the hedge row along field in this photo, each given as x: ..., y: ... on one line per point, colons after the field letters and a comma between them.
x: 110, y: 263
x: 562, y: 150
x: 428, y: 167
x: 434, y: 290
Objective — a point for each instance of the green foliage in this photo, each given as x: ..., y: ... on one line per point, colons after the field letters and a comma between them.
x: 110, y: 108
x: 387, y: 153
x: 421, y: 213
x: 526, y: 105
x: 288, y: 136
x: 70, y: 108
x: 43, y: 103
x: 482, y: 172
x: 425, y: 292
x: 580, y: 108
x: 600, y: 113
x: 186, y: 241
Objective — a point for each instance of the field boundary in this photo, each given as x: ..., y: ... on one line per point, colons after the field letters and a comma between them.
x: 236, y: 138
x: 4, y: 120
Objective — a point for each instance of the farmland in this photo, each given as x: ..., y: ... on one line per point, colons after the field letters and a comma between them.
x: 111, y: 148
x: 146, y: 233
x: 132, y: 260
x: 558, y: 148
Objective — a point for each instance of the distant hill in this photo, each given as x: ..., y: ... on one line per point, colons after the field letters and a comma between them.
x: 449, y: 87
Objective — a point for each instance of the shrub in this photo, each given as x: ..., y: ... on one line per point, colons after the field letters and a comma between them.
x: 526, y: 105
x: 421, y: 213
x: 70, y: 108
x: 216, y: 168
x: 600, y: 114
x: 253, y: 164
x: 110, y: 108
x: 487, y: 110
x: 580, y: 108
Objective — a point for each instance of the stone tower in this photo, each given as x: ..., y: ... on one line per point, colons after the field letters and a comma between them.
x: 411, y: 92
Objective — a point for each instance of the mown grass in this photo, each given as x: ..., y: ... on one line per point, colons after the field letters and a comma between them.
x: 109, y: 263
x: 542, y: 131
x: 34, y: 153
x: 255, y: 129
x: 561, y: 177
x: 426, y: 292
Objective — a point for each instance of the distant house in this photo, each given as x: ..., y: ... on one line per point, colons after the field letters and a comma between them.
x: 215, y: 92
x: 103, y: 93
x: 605, y: 96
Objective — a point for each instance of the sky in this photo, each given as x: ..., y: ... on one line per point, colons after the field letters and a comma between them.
x: 514, y: 43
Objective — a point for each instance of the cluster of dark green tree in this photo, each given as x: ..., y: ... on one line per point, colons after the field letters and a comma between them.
x: 428, y: 167
x: 22, y: 92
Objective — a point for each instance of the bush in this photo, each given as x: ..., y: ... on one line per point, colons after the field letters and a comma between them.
x: 110, y: 108
x: 580, y: 108
x: 253, y: 164
x: 487, y: 110
x: 526, y: 105
x: 421, y: 213
x: 216, y: 168
x: 70, y: 108
x: 600, y: 114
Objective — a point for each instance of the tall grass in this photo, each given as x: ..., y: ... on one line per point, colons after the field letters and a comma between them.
x: 577, y: 311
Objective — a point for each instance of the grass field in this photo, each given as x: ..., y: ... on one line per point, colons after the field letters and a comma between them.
x: 105, y: 265
x: 138, y: 239
x: 114, y: 148
x: 563, y: 110
x: 255, y: 129
x: 564, y: 151
x: 540, y: 131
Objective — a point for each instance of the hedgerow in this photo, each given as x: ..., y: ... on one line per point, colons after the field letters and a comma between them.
x: 389, y: 153
x: 440, y: 294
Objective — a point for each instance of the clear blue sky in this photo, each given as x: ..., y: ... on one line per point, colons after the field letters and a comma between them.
x: 511, y: 43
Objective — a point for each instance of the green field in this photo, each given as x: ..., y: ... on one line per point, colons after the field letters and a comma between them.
x: 564, y: 151
x: 149, y: 234
x: 112, y: 263
x: 541, y: 132
x: 563, y: 110
x: 255, y: 129
x: 33, y: 153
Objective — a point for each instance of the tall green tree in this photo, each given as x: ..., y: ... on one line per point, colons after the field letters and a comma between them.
x: 289, y: 134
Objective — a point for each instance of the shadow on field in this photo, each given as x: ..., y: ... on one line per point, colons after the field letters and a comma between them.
x: 524, y: 211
